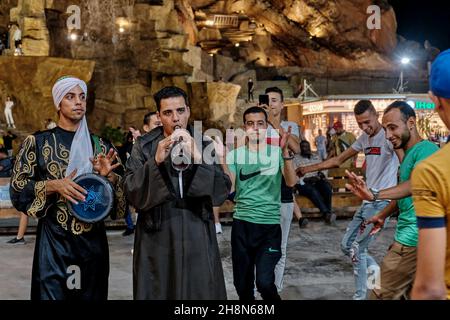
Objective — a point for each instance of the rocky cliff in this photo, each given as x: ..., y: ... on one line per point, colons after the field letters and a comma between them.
x: 139, y: 46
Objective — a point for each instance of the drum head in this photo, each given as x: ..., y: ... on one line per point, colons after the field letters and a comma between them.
x: 99, y: 200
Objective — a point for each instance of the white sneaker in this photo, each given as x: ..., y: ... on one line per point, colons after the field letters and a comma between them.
x: 219, y: 228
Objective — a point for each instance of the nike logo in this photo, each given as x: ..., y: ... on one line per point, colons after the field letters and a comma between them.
x: 245, y: 177
x: 273, y: 250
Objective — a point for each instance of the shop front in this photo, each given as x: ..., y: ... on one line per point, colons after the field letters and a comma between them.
x: 323, y: 113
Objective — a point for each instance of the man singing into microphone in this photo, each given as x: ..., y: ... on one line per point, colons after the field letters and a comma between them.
x: 176, y: 255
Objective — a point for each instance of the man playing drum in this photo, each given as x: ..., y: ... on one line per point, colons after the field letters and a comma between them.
x: 71, y: 259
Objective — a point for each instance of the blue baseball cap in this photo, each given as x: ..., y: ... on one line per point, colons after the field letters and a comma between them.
x: 440, y: 75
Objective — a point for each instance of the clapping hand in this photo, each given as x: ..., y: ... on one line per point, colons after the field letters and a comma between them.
x: 104, y: 164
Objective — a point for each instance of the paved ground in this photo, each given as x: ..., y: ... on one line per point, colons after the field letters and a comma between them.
x: 316, y: 268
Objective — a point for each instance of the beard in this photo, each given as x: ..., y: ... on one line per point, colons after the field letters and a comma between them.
x: 405, y: 137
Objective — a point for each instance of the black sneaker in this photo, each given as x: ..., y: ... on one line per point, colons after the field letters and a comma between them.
x: 17, y: 241
x: 128, y: 232
x: 303, y: 222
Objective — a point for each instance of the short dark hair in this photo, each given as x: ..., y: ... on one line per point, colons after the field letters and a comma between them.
x: 305, y: 141
x: 277, y: 90
x: 405, y: 109
x: 362, y: 106
x: 169, y: 92
x: 255, y: 110
x: 148, y: 116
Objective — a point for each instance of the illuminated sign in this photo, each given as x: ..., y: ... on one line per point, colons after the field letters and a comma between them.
x: 316, y: 108
x: 424, y: 105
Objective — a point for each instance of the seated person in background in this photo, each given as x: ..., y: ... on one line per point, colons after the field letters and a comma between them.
x: 314, y: 185
x: 342, y: 142
x: 6, y: 164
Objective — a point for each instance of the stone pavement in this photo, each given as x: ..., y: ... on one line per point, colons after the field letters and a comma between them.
x: 315, y: 269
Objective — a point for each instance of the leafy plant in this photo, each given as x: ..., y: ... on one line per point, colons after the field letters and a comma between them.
x: 114, y: 135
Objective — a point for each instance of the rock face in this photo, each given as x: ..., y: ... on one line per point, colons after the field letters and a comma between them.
x: 30, y: 16
x: 31, y: 86
x: 140, y: 46
x: 222, y: 101
x: 5, y: 7
x: 326, y: 34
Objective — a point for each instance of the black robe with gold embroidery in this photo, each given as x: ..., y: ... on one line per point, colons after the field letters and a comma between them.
x: 71, y: 258
x: 176, y: 254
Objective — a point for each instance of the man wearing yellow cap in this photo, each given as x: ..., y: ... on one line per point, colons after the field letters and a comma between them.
x: 71, y: 260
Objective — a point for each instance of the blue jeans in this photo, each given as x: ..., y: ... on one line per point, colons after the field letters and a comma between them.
x: 129, y: 219
x: 322, y: 154
x: 356, y: 244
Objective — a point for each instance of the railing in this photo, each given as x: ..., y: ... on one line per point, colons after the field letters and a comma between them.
x: 224, y: 21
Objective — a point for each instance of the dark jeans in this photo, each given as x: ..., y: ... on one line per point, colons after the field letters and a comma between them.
x: 128, y: 219
x: 319, y: 193
x: 255, y: 245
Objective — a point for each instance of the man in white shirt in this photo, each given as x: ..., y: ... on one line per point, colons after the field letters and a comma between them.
x: 8, y: 113
x: 381, y: 173
x: 274, y: 110
x: 17, y: 37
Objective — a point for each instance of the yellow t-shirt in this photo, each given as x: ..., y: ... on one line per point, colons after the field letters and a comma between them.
x: 431, y: 194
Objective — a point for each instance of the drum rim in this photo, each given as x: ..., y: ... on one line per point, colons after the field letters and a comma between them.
x: 110, y: 204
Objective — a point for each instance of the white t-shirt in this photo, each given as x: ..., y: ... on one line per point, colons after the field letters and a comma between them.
x: 17, y: 35
x: 381, y: 160
x: 295, y: 131
x: 9, y: 104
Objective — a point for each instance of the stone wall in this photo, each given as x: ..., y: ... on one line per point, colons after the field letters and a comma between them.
x: 30, y: 16
x: 5, y: 8
x: 29, y: 81
x: 159, y: 45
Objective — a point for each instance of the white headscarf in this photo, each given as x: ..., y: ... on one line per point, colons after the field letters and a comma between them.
x: 81, y: 149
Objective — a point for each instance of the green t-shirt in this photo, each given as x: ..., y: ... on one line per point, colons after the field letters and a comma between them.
x: 258, y: 180
x: 407, y: 232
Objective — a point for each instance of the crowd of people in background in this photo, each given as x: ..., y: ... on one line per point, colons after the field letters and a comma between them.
x: 402, y: 169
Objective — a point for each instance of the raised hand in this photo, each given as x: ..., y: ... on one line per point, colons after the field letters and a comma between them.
x: 135, y: 133
x: 163, y: 150
x: 284, y: 145
x: 188, y: 144
x: 104, y: 164
x: 358, y: 187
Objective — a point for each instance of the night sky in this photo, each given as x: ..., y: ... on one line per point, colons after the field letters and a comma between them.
x: 424, y: 20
